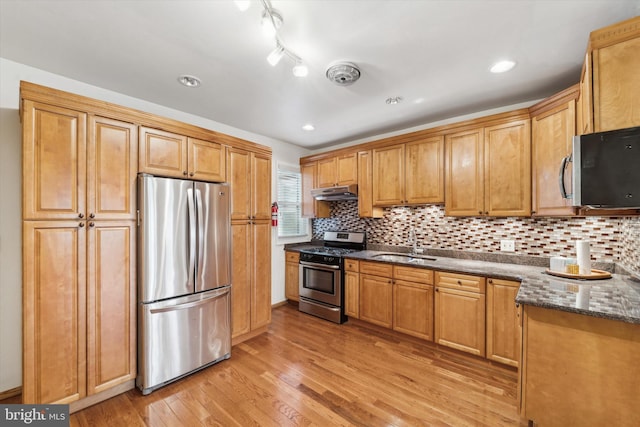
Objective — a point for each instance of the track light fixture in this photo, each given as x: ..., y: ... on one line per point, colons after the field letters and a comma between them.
x: 271, y: 23
x: 275, y: 56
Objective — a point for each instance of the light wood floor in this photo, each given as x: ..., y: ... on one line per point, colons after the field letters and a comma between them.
x: 306, y: 371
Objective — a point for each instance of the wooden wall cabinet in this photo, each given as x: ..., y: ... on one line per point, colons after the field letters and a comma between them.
x: 413, y: 301
x: 584, y: 103
x: 460, y: 312
x: 376, y: 293
x: 338, y: 170
x: 352, y: 288
x: 169, y: 154
x: 488, y: 171
x: 312, y: 208
x: 250, y: 179
x: 365, y: 187
x: 553, y: 125
x: 464, y: 165
x: 504, y: 335
x: 614, y: 52
x: 79, y: 271
x: 409, y: 173
x: 292, y: 275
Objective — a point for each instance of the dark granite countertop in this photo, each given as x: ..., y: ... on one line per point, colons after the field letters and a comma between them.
x: 617, y: 298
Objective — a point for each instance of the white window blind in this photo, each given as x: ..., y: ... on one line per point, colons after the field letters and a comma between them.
x: 290, y: 222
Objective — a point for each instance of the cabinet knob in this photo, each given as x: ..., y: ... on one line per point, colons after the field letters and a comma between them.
x: 479, y: 212
x: 80, y: 215
x: 184, y: 173
x: 191, y: 174
x: 486, y: 213
x: 92, y: 215
x: 459, y: 283
x: 437, y: 290
x: 92, y: 224
x: 490, y: 281
x: 81, y: 225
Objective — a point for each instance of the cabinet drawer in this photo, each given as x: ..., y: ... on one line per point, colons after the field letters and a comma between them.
x: 292, y: 256
x: 460, y: 281
x: 351, y: 265
x: 376, y: 269
x: 418, y: 275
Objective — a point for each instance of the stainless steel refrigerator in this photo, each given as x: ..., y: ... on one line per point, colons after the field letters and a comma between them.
x: 184, y: 278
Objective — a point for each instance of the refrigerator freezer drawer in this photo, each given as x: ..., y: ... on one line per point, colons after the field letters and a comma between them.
x: 181, y: 335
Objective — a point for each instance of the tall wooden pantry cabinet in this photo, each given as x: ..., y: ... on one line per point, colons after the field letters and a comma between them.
x: 249, y: 174
x: 79, y: 173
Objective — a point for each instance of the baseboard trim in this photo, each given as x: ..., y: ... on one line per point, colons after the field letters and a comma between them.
x: 247, y: 336
x: 10, y: 393
x: 97, y: 398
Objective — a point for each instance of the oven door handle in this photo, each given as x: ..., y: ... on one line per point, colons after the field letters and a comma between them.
x: 323, y: 266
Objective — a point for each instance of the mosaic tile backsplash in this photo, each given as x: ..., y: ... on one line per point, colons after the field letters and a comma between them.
x: 613, y: 239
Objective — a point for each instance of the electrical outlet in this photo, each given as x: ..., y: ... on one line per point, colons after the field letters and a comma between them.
x: 507, y: 245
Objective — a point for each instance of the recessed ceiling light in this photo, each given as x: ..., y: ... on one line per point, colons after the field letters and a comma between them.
x: 394, y: 100
x: 502, y: 66
x: 189, y: 81
x: 242, y: 5
x: 309, y: 127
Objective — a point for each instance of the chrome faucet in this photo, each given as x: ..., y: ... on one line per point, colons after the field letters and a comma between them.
x: 414, y: 239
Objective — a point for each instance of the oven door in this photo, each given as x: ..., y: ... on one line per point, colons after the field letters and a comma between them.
x: 321, y: 282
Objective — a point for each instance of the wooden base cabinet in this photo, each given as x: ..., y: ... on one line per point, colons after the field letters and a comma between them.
x: 292, y: 276
x: 503, y: 322
x: 579, y: 370
x: 413, y: 309
x: 79, y: 309
x: 54, y: 312
x: 460, y: 312
x: 352, y: 288
x: 376, y: 293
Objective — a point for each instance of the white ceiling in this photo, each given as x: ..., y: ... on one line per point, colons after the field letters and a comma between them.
x: 435, y: 54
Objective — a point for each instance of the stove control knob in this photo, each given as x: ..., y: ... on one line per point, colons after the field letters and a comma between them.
x: 329, y: 259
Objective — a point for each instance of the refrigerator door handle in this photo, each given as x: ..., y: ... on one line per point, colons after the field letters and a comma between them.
x: 215, y: 295
x: 200, y: 231
x: 192, y: 236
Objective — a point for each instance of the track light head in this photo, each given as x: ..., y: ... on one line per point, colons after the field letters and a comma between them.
x: 275, y: 56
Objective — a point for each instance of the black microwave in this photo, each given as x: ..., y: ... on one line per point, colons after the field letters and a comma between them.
x: 606, y: 169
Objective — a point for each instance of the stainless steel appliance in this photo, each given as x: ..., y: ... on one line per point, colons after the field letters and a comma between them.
x: 321, y: 275
x: 184, y: 278
x: 340, y: 192
x: 606, y: 171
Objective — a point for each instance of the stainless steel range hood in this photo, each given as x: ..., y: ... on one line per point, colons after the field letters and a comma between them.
x: 340, y: 192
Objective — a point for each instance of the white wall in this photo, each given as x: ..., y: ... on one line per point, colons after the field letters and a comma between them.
x: 10, y: 195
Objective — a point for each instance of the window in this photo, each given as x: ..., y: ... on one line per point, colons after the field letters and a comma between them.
x: 290, y: 222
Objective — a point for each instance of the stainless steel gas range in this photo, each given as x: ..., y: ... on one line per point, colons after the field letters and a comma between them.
x: 322, y: 272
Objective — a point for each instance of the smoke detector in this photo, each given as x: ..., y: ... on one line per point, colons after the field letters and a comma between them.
x: 343, y: 73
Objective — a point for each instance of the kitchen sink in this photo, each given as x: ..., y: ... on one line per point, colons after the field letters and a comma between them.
x: 413, y: 259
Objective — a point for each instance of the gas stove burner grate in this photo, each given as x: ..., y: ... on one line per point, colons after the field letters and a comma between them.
x: 329, y: 251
